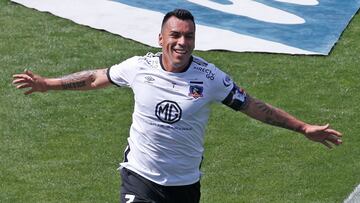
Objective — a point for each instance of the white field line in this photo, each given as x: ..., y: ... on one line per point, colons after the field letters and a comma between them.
x: 354, y: 197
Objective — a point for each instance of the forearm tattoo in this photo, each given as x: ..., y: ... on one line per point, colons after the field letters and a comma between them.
x: 77, y: 80
x: 74, y: 85
x: 277, y: 117
x: 268, y: 110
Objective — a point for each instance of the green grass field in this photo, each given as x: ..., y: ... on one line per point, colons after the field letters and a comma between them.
x: 65, y: 146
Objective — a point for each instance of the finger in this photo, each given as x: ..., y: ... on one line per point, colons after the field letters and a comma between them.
x: 334, y: 132
x: 22, y: 80
x: 322, y: 128
x: 326, y: 144
x: 334, y: 139
x: 338, y: 142
x: 29, y: 72
x: 19, y: 76
x: 325, y: 127
x: 22, y: 86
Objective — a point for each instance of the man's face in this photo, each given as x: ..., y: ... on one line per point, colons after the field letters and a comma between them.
x: 177, y: 39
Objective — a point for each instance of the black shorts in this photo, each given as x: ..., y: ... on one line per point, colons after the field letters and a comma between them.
x: 135, y: 188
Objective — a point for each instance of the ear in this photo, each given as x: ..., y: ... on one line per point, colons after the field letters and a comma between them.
x: 160, y: 40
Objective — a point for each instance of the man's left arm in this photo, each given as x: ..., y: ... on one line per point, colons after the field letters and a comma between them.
x: 266, y: 113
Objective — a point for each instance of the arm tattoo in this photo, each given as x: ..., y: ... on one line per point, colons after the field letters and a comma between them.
x: 77, y: 80
x: 276, y: 117
x: 268, y: 110
x: 73, y: 85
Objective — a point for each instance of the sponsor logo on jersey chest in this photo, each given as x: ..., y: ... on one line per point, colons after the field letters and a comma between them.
x: 209, y: 74
x: 168, y: 111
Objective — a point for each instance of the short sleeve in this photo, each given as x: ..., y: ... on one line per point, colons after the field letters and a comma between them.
x: 123, y: 74
x: 222, y: 85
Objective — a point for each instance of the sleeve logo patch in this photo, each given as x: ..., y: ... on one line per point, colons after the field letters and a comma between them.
x: 227, y: 81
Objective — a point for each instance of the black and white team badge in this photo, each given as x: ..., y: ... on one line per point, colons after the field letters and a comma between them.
x: 168, y: 111
x: 196, y: 91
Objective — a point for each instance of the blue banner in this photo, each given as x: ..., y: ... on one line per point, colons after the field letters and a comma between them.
x: 277, y: 26
x: 323, y: 21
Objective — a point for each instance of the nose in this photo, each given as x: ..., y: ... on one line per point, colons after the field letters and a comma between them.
x: 181, y: 40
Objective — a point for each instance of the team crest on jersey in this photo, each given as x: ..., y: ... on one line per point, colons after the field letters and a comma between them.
x: 196, y: 91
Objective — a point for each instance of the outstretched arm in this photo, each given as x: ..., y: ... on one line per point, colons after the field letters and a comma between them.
x: 84, y: 80
x: 277, y: 117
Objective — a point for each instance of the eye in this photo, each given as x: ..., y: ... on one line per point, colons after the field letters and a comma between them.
x: 189, y: 36
x: 175, y: 34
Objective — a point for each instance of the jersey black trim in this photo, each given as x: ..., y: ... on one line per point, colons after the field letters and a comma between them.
x: 126, y: 153
x: 187, y: 67
x: 197, y: 82
x: 109, y: 78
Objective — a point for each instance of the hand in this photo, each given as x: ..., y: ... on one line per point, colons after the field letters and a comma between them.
x: 323, y: 134
x: 28, y: 79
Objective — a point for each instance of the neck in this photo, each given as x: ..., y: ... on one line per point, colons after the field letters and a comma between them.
x: 167, y: 66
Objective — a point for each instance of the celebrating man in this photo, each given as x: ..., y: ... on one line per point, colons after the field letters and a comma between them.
x: 173, y: 91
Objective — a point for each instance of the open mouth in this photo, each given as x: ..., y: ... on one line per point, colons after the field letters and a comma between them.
x: 180, y: 51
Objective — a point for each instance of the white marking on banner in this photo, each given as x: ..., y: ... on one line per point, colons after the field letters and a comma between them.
x: 250, y: 8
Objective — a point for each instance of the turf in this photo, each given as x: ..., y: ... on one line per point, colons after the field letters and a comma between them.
x: 66, y: 146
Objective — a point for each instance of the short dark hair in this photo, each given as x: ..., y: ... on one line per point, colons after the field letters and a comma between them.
x: 182, y: 14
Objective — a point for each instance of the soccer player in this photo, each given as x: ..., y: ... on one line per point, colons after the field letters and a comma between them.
x: 173, y: 91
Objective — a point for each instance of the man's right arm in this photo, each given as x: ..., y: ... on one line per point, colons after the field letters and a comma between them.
x: 84, y: 80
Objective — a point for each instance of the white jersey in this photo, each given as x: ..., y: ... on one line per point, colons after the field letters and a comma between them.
x: 170, y: 115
